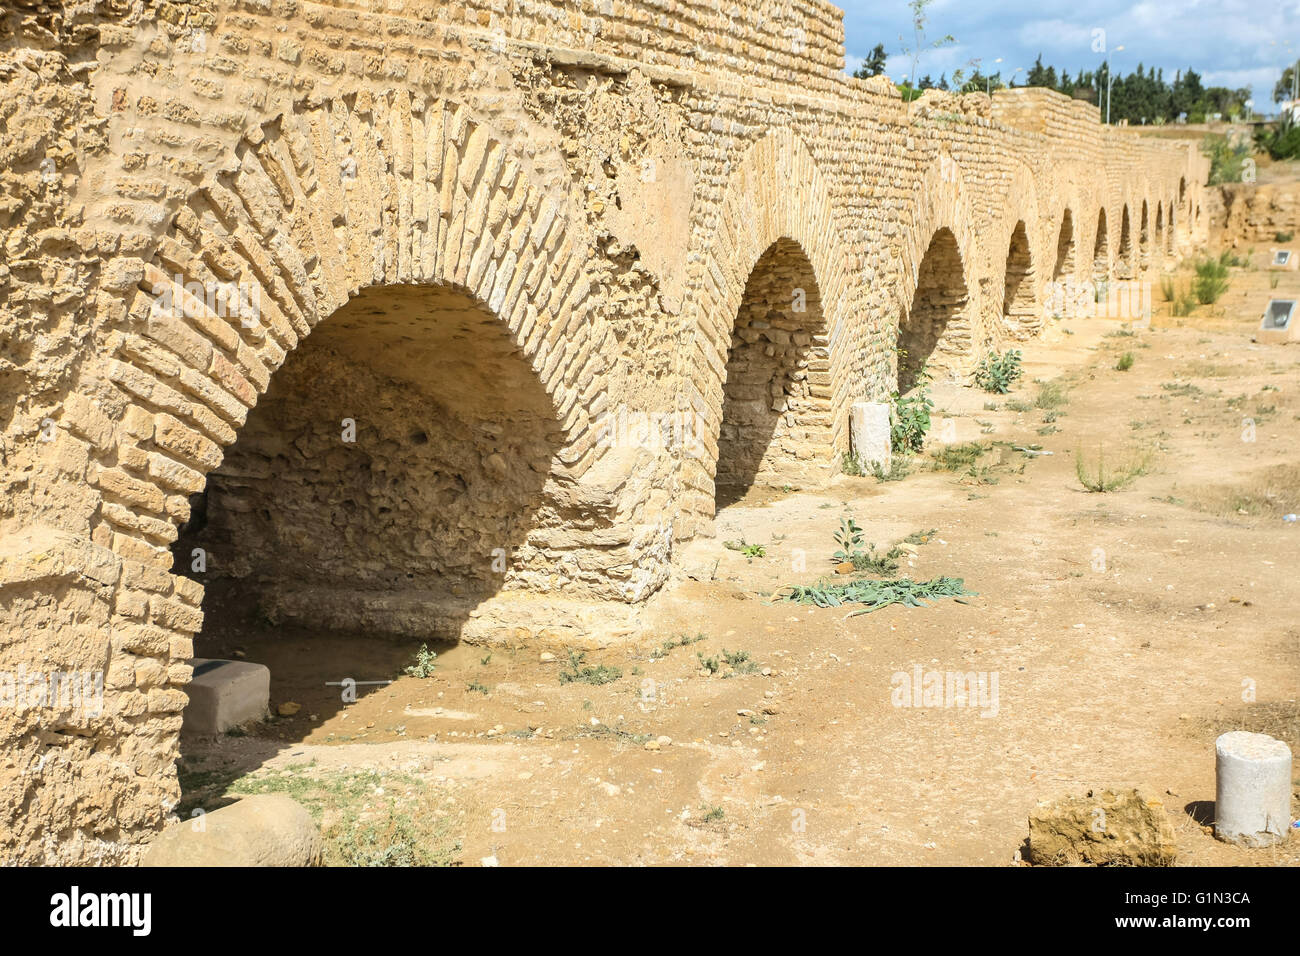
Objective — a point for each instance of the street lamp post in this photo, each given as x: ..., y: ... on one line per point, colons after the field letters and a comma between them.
x: 1110, y: 78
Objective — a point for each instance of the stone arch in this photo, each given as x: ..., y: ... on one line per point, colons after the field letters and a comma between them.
x: 1159, y: 243
x: 1019, y: 302
x: 776, y: 415
x: 327, y: 201
x: 939, y: 302
x: 1101, y: 250
x: 1063, y: 266
x: 777, y: 194
x: 1124, y: 255
x: 1171, y: 229
x: 937, y: 312
x: 1011, y: 287
x: 1144, y: 238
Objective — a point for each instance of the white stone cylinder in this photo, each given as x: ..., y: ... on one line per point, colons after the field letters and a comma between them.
x: 1252, y: 805
x: 869, y: 434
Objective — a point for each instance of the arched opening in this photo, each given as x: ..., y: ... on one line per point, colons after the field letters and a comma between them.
x: 1101, y: 253
x: 1064, y: 267
x: 1124, y: 261
x: 1170, y: 237
x: 776, y: 412
x: 1160, y: 230
x: 384, y: 485
x: 935, y: 333
x: 1018, y: 308
x: 1144, y: 239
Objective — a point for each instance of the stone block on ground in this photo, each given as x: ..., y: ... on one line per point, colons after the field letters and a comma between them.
x: 869, y: 435
x: 1252, y: 800
x: 225, y: 694
x: 1103, y: 828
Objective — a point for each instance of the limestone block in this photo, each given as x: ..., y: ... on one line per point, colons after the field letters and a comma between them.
x: 1252, y: 803
x: 869, y: 434
x: 225, y: 694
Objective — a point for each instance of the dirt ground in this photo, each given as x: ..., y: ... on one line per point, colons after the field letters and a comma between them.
x: 1126, y: 630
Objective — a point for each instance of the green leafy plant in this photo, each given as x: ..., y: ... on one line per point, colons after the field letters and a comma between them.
x: 750, y: 551
x: 909, y: 420
x: 849, y: 537
x: 875, y: 594
x: 1125, y: 362
x: 424, y: 665
x: 998, y: 371
x: 1283, y: 236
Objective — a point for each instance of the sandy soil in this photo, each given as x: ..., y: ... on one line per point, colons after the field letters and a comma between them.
x: 1126, y: 629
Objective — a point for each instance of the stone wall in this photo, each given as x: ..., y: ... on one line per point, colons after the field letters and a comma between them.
x: 486, y: 233
x: 1250, y: 213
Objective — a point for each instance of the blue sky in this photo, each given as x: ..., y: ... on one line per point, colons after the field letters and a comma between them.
x: 1231, y: 43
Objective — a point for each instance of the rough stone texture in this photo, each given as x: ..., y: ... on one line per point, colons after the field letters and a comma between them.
x: 1255, y: 213
x: 1103, y: 828
x: 480, y: 232
x: 262, y: 830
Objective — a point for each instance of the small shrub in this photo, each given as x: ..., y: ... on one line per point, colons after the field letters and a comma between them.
x: 1211, y: 280
x: 997, y: 372
x: 1125, y: 362
x: 899, y: 468
x: 424, y: 662
x: 580, y: 672
x: 1283, y: 236
x: 1168, y: 288
x: 1102, y: 476
x: 1051, y: 397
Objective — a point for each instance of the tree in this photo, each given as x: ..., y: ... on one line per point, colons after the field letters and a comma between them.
x: 1285, y: 89
x: 874, y: 64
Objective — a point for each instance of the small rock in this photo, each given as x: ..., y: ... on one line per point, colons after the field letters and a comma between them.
x: 1117, y: 827
x: 652, y: 745
x: 664, y: 741
x: 844, y: 567
x: 489, y: 861
x: 547, y: 657
x: 288, y: 708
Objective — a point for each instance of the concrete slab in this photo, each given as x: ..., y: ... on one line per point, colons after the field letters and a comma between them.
x: 225, y: 694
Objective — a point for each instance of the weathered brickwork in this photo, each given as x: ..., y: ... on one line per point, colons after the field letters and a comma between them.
x: 480, y: 232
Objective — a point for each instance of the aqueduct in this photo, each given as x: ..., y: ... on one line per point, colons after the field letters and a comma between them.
x: 432, y: 317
